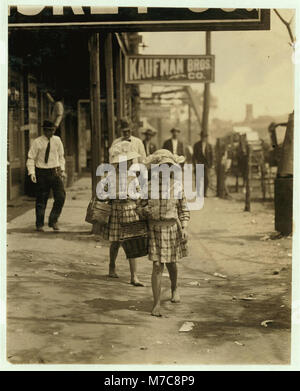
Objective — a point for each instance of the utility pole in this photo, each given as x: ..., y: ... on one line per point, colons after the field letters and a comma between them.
x: 193, y: 102
x: 248, y: 179
x: 206, y: 95
x: 119, y: 89
x: 189, y: 124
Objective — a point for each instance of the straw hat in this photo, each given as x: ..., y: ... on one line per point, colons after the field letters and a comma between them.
x: 122, y: 151
x: 164, y: 156
x: 149, y: 131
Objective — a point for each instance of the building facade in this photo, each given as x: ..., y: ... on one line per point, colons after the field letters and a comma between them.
x: 63, y: 63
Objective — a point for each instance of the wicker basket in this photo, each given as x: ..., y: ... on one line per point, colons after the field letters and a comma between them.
x: 136, y: 247
x: 134, y: 238
x: 133, y: 230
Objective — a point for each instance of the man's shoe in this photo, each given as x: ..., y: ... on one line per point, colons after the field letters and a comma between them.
x: 39, y: 229
x: 54, y: 226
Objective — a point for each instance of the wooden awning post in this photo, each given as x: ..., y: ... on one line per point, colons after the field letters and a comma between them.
x: 109, y: 73
x: 94, y: 50
x: 119, y: 88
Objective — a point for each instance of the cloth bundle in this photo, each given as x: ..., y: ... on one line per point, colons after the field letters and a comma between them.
x: 98, y: 212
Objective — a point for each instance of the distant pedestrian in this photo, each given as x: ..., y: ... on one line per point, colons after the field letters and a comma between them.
x: 226, y: 162
x: 167, y: 222
x: 150, y: 147
x: 173, y: 144
x: 57, y: 110
x: 188, y: 154
x: 46, y: 165
x: 137, y: 143
x: 203, y: 154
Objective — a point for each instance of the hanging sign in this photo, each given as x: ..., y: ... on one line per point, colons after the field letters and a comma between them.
x: 139, y: 18
x: 175, y: 69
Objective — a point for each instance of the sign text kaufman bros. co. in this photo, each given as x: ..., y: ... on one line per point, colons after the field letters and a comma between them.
x: 172, y: 69
x: 139, y: 18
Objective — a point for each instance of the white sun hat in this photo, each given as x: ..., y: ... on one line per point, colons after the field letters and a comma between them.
x: 122, y: 151
x: 163, y: 156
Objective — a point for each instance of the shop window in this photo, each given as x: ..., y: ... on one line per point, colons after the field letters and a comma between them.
x: 15, y: 176
x: 14, y: 116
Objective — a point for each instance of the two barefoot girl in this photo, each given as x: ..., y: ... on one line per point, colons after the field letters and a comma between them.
x: 167, y: 219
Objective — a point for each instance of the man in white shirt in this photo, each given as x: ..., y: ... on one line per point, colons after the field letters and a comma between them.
x: 174, y: 145
x: 46, y: 166
x: 137, y: 143
x: 149, y: 146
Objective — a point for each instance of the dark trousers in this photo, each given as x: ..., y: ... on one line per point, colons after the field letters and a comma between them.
x: 206, y: 180
x: 48, y: 179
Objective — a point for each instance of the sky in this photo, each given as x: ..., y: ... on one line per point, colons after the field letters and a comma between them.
x: 251, y: 66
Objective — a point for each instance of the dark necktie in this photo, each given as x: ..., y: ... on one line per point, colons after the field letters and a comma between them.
x: 47, y: 152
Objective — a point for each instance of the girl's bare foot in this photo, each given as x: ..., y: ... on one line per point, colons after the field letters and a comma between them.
x: 113, y: 274
x: 156, y: 311
x: 175, y: 297
x: 136, y: 282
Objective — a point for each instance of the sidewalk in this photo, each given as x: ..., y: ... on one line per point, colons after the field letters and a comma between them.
x: 62, y: 307
x: 19, y: 206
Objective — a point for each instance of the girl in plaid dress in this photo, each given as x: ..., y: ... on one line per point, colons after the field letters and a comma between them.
x: 167, y: 222
x: 123, y: 211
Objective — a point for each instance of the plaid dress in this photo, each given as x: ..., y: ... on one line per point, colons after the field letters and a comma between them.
x: 123, y: 211
x: 166, y: 243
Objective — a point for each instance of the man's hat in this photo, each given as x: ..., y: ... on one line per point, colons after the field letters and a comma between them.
x: 125, y: 123
x: 175, y: 130
x: 149, y: 131
x: 47, y: 124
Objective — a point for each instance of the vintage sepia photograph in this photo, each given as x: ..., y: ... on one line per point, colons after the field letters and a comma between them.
x: 149, y: 184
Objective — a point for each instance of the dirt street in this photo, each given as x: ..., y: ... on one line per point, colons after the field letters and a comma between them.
x: 62, y: 307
